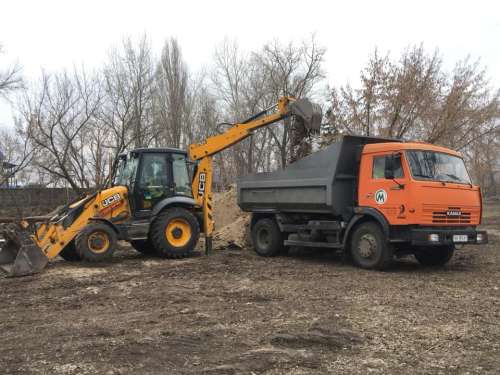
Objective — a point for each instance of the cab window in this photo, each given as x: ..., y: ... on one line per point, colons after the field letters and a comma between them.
x: 182, y: 182
x: 378, y: 169
x: 154, y: 181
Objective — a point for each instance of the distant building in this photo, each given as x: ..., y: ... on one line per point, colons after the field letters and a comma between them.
x: 6, y: 170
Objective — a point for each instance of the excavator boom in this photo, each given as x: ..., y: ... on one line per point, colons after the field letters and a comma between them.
x: 307, y: 115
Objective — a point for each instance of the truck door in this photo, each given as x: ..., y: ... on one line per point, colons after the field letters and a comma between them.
x: 385, y: 194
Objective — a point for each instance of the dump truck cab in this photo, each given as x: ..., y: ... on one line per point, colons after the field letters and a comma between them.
x: 424, y: 192
x: 373, y: 198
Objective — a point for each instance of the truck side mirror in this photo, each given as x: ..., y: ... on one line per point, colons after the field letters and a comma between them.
x: 389, y: 167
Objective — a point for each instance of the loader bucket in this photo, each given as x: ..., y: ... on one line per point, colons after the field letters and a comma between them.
x: 308, y: 113
x: 19, y: 255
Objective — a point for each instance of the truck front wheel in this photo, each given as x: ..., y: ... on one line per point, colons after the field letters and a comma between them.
x: 267, y: 238
x: 434, y: 256
x: 369, y: 248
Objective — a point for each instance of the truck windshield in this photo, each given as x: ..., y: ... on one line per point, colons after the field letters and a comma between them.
x: 182, y: 183
x: 437, y: 166
x: 126, y: 171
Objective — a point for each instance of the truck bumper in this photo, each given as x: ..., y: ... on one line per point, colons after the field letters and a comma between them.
x: 439, y: 237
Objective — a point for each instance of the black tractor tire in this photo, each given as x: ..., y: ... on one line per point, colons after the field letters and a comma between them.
x: 435, y: 255
x: 143, y: 246
x: 267, y: 238
x: 174, y: 233
x: 96, y: 242
x: 69, y: 253
x: 369, y: 247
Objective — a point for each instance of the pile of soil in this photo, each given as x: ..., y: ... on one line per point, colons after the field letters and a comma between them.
x: 232, y: 225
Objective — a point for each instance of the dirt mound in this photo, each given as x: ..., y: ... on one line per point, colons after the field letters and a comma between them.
x: 232, y: 225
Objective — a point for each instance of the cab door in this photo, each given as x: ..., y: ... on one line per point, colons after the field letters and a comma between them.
x: 154, y: 182
x: 387, y: 195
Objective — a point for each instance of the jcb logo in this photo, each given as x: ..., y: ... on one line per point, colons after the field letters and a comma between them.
x: 201, y: 184
x: 110, y: 200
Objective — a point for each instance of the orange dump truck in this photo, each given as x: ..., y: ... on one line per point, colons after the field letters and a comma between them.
x: 373, y: 198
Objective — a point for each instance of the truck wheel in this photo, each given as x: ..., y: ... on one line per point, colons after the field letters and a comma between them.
x: 175, y: 233
x: 143, y: 246
x: 96, y: 242
x: 369, y: 248
x: 434, y: 256
x: 267, y: 238
x: 69, y: 253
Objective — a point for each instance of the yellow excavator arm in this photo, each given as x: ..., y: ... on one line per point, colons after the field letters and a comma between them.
x: 307, y: 113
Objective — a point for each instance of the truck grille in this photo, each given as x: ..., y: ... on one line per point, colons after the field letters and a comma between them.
x: 434, y: 214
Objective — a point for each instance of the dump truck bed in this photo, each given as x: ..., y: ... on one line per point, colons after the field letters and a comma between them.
x: 323, y: 182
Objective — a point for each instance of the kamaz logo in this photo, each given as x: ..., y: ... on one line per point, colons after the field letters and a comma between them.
x: 454, y: 213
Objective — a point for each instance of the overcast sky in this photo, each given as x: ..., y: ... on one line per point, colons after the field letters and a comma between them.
x: 54, y: 34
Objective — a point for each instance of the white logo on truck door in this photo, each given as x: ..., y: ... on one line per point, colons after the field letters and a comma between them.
x: 380, y: 196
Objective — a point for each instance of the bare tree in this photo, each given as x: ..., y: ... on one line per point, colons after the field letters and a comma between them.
x: 10, y: 78
x: 57, y: 116
x: 247, y: 84
x: 127, y: 110
x: 292, y: 70
x: 413, y: 97
x: 172, y: 96
x: 16, y: 154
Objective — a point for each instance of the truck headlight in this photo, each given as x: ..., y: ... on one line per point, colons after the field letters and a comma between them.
x: 433, y: 237
x: 480, y: 237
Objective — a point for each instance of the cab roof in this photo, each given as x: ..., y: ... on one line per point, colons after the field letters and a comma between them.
x: 398, y: 146
x: 164, y: 150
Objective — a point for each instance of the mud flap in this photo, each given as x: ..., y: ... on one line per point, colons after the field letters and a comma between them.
x: 20, y: 256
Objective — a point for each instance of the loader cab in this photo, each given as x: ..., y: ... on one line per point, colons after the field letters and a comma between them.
x: 153, y: 175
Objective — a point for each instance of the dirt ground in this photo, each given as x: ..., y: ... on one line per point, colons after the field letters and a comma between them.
x: 237, y: 313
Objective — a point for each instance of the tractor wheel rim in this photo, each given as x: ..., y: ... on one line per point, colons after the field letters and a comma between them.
x: 98, y: 242
x: 367, y: 246
x: 178, y: 232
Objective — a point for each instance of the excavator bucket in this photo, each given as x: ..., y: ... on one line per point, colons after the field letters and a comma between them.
x: 308, y: 113
x: 19, y: 255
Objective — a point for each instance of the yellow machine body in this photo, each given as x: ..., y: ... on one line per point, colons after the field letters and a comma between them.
x: 110, y: 204
x: 173, y: 218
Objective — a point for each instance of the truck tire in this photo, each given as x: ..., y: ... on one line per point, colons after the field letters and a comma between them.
x: 174, y: 233
x: 369, y: 247
x: 143, y: 246
x: 96, y: 242
x: 69, y: 253
x: 267, y: 238
x: 434, y: 256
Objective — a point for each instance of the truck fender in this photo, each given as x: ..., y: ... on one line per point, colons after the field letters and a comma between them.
x: 367, y: 212
x: 107, y: 222
x: 256, y: 216
x: 178, y: 201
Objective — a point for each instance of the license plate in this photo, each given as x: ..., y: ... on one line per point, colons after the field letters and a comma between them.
x: 460, y: 238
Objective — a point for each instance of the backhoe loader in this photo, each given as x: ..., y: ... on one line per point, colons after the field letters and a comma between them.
x: 152, y: 203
